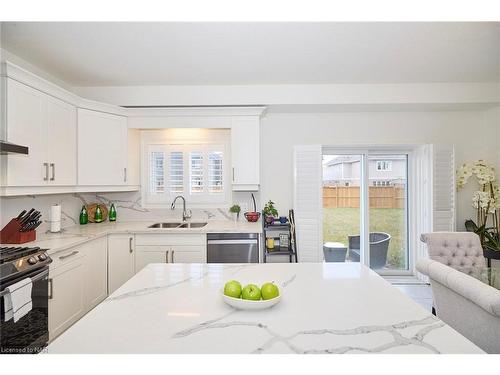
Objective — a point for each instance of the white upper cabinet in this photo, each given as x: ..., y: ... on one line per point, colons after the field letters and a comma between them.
x: 134, y: 157
x: 245, y: 151
x: 61, y: 141
x: 26, y: 108
x: 102, y: 148
x: 48, y: 127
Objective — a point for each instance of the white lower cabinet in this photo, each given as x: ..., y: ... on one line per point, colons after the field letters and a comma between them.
x: 96, y: 272
x: 150, y: 254
x: 66, y: 291
x: 120, y: 260
x: 78, y: 282
x: 169, y: 248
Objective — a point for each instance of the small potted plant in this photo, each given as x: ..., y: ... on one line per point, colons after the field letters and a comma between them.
x: 235, y: 211
x: 270, y: 212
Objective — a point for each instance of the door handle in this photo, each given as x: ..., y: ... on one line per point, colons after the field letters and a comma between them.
x: 51, y: 288
x: 46, y: 165
x: 53, y: 166
x: 124, y: 174
x: 130, y: 249
x: 166, y: 256
x: 233, y: 174
x: 172, y: 256
x: 62, y: 257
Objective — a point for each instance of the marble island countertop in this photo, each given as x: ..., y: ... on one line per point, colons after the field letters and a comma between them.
x: 325, y: 308
x: 79, y: 234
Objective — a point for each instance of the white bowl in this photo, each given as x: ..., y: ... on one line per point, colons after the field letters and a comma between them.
x: 245, y: 304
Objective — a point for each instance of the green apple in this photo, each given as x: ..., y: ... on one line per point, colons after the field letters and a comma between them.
x: 251, y: 292
x: 269, y: 291
x: 232, y: 289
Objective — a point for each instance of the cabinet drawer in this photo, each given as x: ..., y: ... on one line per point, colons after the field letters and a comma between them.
x: 170, y: 239
x: 63, y: 257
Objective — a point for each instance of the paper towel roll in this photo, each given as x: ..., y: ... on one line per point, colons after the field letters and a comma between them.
x: 55, y: 218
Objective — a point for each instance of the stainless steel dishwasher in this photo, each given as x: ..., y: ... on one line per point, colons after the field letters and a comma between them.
x: 232, y: 248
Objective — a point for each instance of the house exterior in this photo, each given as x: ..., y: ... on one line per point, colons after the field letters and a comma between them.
x: 344, y: 170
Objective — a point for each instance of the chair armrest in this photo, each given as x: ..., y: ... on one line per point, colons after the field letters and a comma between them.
x: 468, y: 287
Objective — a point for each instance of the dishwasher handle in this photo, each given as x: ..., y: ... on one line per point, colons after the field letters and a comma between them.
x: 232, y: 242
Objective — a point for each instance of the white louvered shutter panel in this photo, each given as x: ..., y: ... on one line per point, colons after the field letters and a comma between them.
x: 176, y: 173
x: 422, y: 198
x: 443, y: 182
x: 308, y: 202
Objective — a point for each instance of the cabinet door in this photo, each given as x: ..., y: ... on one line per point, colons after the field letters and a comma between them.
x: 133, y: 176
x: 66, y: 301
x: 245, y: 152
x: 102, y: 148
x: 96, y: 272
x: 188, y: 254
x: 120, y: 260
x: 151, y: 254
x: 26, y: 126
x: 61, y: 141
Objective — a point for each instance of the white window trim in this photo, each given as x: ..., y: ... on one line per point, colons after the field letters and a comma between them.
x: 197, y: 200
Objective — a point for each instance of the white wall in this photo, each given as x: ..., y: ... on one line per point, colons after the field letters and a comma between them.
x: 475, y: 135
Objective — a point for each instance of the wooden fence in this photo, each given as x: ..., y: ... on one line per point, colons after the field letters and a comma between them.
x: 348, y: 197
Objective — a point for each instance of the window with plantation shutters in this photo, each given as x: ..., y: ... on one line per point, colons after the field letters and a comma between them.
x: 198, y: 172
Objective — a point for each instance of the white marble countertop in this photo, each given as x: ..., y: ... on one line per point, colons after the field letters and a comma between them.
x: 78, y: 234
x: 325, y: 308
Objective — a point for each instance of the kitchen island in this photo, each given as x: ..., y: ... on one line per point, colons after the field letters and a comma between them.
x: 325, y: 308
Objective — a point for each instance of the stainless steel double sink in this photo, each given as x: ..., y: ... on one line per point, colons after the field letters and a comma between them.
x: 178, y: 225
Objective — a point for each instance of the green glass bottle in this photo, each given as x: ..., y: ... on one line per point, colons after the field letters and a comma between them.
x: 112, y: 212
x: 84, y: 216
x: 98, y: 214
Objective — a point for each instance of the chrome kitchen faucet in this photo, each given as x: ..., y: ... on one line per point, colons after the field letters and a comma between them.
x: 186, y: 214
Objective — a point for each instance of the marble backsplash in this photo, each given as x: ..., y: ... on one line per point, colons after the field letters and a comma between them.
x: 128, y: 207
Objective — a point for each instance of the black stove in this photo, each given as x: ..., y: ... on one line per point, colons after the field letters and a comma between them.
x: 29, y: 334
x: 18, y: 261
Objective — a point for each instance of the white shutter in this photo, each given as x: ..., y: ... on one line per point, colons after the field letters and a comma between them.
x: 196, y: 172
x: 421, y: 202
x: 176, y: 172
x: 433, y: 195
x: 443, y: 182
x: 215, y: 171
x: 307, y: 202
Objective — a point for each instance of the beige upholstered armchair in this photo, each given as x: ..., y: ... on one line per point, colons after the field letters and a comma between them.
x: 457, y: 250
x: 468, y: 305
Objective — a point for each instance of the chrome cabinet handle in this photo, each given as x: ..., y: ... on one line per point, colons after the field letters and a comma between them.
x: 53, y: 166
x: 130, y: 249
x: 51, y: 288
x: 172, y: 257
x: 46, y: 165
x: 233, y: 174
x: 124, y: 174
x: 62, y: 257
x: 166, y: 256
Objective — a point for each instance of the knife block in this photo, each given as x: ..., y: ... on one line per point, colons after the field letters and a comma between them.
x: 10, y: 234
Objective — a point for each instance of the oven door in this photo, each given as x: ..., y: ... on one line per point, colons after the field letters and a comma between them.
x: 30, y: 334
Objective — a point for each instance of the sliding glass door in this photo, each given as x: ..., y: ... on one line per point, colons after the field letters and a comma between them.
x: 365, y: 208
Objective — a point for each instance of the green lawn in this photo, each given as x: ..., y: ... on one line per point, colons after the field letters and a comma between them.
x: 338, y: 223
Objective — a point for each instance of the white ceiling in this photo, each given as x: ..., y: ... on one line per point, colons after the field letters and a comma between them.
x: 106, y: 54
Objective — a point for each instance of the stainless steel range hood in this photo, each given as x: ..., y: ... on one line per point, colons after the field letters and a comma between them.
x: 11, y: 148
